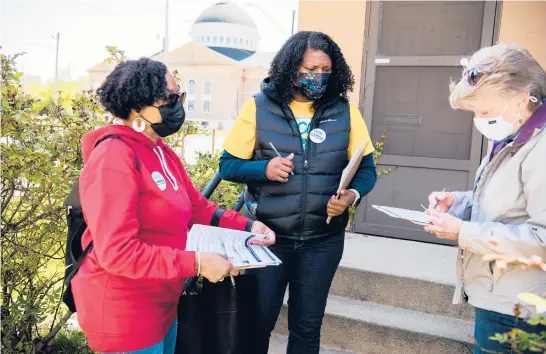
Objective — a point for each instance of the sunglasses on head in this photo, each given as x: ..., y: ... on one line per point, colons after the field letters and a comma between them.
x: 473, y: 75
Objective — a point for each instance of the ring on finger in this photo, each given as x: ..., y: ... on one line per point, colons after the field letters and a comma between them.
x: 221, y: 279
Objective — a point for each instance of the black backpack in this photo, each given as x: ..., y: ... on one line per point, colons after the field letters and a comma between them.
x: 76, y: 226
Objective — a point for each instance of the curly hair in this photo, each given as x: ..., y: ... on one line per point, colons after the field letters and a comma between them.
x: 133, y: 84
x: 284, y: 68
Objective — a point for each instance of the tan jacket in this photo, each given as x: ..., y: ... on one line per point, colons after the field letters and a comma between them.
x: 508, y: 204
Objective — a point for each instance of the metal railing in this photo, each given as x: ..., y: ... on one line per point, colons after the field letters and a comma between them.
x: 213, y: 184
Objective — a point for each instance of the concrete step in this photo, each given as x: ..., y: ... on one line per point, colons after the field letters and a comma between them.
x: 277, y: 345
x: 398, y: 273
x: 364, y: 327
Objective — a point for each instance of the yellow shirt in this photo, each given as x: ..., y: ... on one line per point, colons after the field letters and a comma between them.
x: 241, y: 139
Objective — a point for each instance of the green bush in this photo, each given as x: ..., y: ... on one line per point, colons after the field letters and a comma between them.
x: 70, y: 342
x: 41, y: 159
x: 201, y: 173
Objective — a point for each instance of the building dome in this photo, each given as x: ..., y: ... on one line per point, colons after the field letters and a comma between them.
x: 226, y: 12
x: 227, y: 29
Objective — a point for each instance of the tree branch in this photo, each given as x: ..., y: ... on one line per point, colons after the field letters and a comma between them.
x: 6, y: 199
x: 45, y: 341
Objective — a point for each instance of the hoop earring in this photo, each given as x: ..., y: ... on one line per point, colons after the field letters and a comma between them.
x: 139, y: 125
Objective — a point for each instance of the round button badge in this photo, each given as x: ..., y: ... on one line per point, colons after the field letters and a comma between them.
x: 317, y: 136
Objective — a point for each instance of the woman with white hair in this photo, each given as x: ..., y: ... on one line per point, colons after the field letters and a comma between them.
x: 505, y: 213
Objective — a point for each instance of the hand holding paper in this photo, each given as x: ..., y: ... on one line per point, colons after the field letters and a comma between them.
x: 238, y: 246
x: 340, y: 202
x: 444, y: 225
x: 267, y: 238
x: 214, y: 267
x: 349, y: 172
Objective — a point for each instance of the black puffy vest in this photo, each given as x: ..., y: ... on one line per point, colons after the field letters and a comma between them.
x: 297, y: 209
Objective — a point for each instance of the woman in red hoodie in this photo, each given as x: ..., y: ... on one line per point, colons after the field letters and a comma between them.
x: 139, y: 203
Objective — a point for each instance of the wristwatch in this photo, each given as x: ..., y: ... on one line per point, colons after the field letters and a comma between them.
x: 357, y: 199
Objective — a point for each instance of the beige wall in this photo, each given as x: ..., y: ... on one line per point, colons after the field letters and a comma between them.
x: 231, y: 83
x: 251, y: 81
x: 96, y: 78
x: 524, y: 22
x: 344, y: 21
x: 223, y: 79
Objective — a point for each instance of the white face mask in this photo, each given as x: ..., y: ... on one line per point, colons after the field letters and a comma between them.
x: 494, y: 128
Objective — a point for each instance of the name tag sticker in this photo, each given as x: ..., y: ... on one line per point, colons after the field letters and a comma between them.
x: 159, y: 181
x: 317, y: 136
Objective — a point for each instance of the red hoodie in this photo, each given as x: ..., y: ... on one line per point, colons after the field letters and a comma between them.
x: 128, y: 287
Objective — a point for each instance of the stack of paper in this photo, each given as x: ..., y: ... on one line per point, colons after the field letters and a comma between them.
x: 232, y: 244
x: 350, y: 171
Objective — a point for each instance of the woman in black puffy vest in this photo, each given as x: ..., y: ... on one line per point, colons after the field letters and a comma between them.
x: 290, y: 144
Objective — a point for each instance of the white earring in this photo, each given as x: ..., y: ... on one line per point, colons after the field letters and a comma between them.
x: 139, y: 125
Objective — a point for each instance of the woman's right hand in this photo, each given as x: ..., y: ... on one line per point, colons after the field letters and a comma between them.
x: 440, y: 201
x: 279, y: 168
x: 214, y: 267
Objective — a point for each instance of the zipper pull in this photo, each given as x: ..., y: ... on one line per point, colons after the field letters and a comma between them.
x: 305, y: 164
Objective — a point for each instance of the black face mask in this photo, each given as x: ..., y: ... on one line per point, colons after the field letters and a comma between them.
x: 172, y: 118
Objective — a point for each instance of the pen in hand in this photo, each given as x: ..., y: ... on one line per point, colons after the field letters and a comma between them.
x: 437, y: 200
x: 278, y: 154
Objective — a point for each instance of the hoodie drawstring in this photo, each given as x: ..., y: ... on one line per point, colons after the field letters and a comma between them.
x: 165, y: 167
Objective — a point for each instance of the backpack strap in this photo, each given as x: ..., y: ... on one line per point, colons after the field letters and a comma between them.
x: 113, y: 136
x: 76, y: 264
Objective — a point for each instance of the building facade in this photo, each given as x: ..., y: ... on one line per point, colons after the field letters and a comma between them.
x: 219, y: 69
x: 403, y: 55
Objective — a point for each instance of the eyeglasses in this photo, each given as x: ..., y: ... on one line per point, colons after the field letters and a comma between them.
x: 173, y: 98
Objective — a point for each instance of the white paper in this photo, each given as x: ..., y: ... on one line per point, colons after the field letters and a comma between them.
x: 202, y: 238
x: 350, y: 170
x: 406, y: 214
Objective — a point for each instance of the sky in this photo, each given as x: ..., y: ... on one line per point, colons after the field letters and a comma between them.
x: 136, y: 26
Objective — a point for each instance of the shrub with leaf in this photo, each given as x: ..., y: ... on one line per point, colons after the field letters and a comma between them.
x: 518, y: 339
x: 41, y: 159
x: 379, y: 146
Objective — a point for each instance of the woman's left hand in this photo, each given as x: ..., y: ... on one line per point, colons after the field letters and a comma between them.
x: 444, y: 225
x: 262, y: 229
x: 337, y: 206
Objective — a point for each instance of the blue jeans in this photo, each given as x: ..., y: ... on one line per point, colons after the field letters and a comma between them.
x: 166, y: 346
x: 308, y: 269
x: 488, y: 323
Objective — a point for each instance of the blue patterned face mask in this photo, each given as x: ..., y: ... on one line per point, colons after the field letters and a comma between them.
x: 313, y: 85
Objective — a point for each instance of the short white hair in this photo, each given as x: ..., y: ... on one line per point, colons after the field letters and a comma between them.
x: 505, y: 68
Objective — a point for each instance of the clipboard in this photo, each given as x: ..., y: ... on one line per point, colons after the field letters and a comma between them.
x: 350, y: 171
x: 414, y: 216
x: 233, y: 244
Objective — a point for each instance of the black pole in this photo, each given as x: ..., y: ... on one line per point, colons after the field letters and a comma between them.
x: 240, y: 202
x: 211, y: 187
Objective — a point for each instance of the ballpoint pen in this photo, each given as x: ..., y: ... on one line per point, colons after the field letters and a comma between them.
x: 438, y: 201
x: 225, y: 255
x: 278, y: 154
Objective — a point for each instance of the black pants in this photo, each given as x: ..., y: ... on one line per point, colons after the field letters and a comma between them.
x: 308, y: 269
